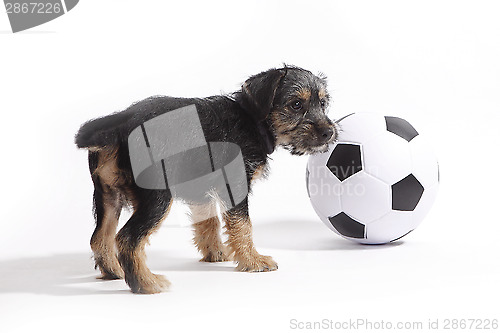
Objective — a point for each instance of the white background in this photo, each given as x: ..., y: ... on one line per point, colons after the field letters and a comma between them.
x: 435, y: 63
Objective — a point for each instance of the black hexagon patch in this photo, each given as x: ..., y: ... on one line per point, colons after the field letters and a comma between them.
x: 347, y: 226
x: 401, y: 128
x: 345, y: 160
x: 406, y: 193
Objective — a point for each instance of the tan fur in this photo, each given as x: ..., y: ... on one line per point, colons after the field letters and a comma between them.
x: 240, y: 243
x: 103, y: 242
x: 107, y: 168
x: 149, y: 283
x: 322, y: 93
x: 112, y: 178
x: 304, y: 94
x: 259, y: 173
x: 207, y: 238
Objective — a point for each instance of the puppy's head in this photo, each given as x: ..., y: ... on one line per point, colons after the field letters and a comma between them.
x: 294, y: 103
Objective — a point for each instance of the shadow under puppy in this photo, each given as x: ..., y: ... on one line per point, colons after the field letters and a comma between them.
x: 279, y: 107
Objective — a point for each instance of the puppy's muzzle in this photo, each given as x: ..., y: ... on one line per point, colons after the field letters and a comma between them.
x: 325, y: 133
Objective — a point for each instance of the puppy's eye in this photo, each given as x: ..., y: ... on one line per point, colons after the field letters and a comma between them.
x: 296, y: 105
x: 323, y: 103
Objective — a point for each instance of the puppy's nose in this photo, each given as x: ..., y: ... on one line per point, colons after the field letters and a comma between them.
x: 325, y: 133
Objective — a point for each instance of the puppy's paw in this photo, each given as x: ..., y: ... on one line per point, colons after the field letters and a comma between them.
x: 257, y: 263
x: 216, y: 256
x: 110, y: 276
x: 151, y: 284
x: 110, y: 268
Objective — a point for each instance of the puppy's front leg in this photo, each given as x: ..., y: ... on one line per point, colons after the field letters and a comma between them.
x: 239, y: 231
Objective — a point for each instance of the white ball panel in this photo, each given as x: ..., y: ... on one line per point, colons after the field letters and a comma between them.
x: 389, y: 227
x: 387, y: 157
x: 324, y: 189
x: 360, y: 127
x: 424, y: 162
x: 365, y: 198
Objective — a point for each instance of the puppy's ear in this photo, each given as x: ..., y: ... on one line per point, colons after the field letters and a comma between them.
x: 258, y: 92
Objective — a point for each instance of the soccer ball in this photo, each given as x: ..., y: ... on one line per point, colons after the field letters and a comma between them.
x: 377, y: 182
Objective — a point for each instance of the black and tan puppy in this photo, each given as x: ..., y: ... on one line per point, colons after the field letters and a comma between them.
x: 280, y: 107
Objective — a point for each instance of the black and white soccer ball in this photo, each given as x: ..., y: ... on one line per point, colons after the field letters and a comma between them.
x: 377, y: 182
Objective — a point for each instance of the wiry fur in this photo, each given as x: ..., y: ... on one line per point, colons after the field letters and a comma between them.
x: 259, y: 117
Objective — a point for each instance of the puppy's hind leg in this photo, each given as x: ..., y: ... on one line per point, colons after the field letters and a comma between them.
x: 107, y: 209
x: 207, y: 228
x: 151, y: 209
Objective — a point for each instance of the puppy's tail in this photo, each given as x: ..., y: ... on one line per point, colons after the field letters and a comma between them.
x: 101, y: 132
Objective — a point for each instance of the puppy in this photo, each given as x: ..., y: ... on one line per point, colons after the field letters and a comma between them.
x: 279, y: 107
